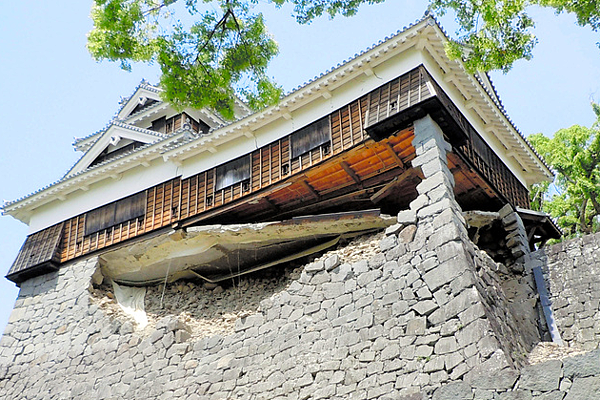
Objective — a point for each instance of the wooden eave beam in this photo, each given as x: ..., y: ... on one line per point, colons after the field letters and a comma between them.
x: 351, y: 172
x: 395, y: 156
x: 269, y: 204
x: 312, y: 190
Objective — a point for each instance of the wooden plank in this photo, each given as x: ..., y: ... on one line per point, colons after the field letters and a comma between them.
x: 391, y: 151
x: 350, y: 172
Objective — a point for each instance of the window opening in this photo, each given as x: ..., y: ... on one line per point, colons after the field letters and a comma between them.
x: 310, y: 137
x: 233, y: 172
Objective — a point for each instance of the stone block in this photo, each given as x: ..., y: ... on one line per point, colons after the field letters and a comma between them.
x: 393, y: 229
x: 430, y: 154
x: 420, y: 202
x: 554, y: 395
x: 543, y: 377
x: 315, y: 267
x: 472, y: 333
x: 388, y: 242
x: 407, y: 217
x: 516, y: 395
x: 441, y: 178
x: 416, y: 326
x: 425, y: 307
x: 444, y: 273
x: 332, y: 262
x: 423, y: 351
x: 320, y: 277
x: 452, y: 360
x: 431, y: 167
x: 390, y: 351
x: 453, y: 391
x: 446, y: 345
x: 443, y: 234
x: 460, y: 303
x: 472, y: 313
x: 582, y: 366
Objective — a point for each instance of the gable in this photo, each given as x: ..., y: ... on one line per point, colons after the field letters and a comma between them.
x: 144, y: 97
x: 118, y: 140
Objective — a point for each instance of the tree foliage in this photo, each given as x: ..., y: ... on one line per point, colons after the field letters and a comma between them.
x: 574, y: 154
x: 226, y: 48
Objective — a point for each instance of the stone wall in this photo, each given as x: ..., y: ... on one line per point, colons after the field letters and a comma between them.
x: 358, y: 330
x: 427, y: 316
x: 572, y: 274
x: 572, y: 378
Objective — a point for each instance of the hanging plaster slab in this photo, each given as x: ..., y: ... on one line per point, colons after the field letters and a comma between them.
x: 221, y: 250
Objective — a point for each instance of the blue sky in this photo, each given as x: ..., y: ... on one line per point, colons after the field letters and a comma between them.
x: 52, y: 91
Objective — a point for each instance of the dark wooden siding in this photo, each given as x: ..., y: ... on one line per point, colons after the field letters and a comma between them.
x: 233, y: 172
x: 41, y: 250
x: 311, y: 137
x: 178, y: 199
x: 398, y: 95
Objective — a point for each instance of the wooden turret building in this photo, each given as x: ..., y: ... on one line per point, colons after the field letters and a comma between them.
x: 340, y: 143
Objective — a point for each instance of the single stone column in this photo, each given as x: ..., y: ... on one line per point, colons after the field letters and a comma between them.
x: 447, y: 264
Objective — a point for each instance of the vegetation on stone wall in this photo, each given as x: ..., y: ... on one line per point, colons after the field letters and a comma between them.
x: 574, y: 198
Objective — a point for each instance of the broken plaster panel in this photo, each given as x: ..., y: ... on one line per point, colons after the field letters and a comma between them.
x: 216, y: 249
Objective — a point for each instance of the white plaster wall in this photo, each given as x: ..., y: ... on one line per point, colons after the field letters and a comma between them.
x: 302, y: 113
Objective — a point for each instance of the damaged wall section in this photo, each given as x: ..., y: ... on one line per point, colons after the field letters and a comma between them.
x: 424, y: 315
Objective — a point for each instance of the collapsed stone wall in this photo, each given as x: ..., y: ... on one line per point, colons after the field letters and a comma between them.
x: 572, y: 276
x: 361, y: 330
x: 426, y: 316
x: 427, y: 310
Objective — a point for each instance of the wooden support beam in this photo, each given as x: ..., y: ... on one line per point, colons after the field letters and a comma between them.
x: 385, y: 191
x: 395, y: 156
x: 252, y: 199
x: 351, y: 172
x: 312, y: 190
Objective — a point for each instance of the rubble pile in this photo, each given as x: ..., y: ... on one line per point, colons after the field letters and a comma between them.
x: 210, y: 309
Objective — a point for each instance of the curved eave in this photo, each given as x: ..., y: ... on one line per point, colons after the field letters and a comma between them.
x: 479, y: 101
x: 144, y: 90
x: 486, y: 105
x: 176, y: 151
x: 119, y: 129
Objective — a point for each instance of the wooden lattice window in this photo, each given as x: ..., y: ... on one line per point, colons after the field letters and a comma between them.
x: 115, y: 213
x: 233, y: 172
x: 311, y: 137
